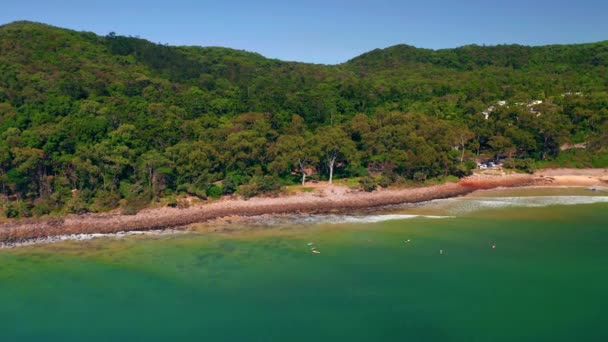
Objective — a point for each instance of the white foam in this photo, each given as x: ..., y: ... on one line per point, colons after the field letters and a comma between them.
x: 86, y: 237
x: 337, y: 219
x: 456, y: 206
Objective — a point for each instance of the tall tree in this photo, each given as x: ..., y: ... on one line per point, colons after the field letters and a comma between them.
x: 335, y: 146
x: 462, y: 136
x: 295, y: 152
x: 156, y: 169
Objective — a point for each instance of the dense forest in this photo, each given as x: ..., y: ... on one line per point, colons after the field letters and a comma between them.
x: 91, y: 123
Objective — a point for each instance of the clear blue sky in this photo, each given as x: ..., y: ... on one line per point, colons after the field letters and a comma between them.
x: 325, y: 31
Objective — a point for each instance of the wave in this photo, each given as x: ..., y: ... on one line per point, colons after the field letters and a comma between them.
x: 458, y: 206
x: 447, y: 208
x: 340, y: 219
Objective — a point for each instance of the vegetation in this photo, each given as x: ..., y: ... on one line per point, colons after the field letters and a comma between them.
x: 90, y: 123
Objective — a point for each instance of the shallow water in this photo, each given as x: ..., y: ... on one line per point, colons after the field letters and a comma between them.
x: 545, y: 280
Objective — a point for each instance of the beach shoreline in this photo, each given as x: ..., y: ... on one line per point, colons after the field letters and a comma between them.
x: 325, y: 199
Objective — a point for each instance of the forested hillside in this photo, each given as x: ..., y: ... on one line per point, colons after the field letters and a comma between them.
x: 90, y: 123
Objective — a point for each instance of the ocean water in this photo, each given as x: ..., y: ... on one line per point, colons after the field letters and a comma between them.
x: 532, y: 268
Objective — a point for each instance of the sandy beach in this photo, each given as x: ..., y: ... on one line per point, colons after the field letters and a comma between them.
x: 324, y: 199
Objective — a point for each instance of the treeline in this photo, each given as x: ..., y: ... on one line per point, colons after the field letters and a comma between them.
x: 91, y: 123
x: 249, y: 154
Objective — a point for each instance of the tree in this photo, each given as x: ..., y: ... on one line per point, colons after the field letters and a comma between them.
x: 294, y: 152
x: 4, y: 163
x: 196, y: 163
x: 156, y: 168
x: 462, y: 136
x: 501, y: 144
x: 29, y: 162
x: 335, y: 145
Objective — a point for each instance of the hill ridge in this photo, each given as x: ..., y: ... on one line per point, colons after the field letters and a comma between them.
x: 20, y: 23
x: 92, y: 123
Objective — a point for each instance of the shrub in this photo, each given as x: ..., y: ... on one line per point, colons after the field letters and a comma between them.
x: 196, y: 191
x: 12, y: 211
x: 132, y: 206
x: 182, y: 188
x: 248, y: 190
x: 526, y: 165
x: 105, y: 200
x: 259, y: 185
x: 463, y: 169
x: 183, y: 203
x: 41, y: 208
x: 356, y: 170
x: 75, y: 206
x: 388, y: 172
x: 419, y: 176
x: 269, y: 184
x: 231, y: 183
x: 600, y: 159
x: 368, y: 184
x: 214, y: 191
x: 171, y: 202
x: 385, y: 181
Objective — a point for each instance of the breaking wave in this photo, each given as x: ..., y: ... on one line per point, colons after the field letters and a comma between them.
x: 458, y: 206
x: 338, y: 219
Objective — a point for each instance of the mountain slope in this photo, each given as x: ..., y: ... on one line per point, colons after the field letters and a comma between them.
x: 90, y: 123
x: 475, y: 56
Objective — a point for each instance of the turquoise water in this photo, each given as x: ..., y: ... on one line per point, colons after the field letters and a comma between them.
x: 546, y: 280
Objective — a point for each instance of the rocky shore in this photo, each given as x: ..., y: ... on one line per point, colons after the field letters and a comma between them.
x: 326, y: 199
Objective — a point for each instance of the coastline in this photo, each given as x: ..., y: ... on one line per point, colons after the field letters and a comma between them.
x: 326, y: 199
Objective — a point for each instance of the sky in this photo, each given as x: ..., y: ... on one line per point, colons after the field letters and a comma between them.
x: 328, y: 32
